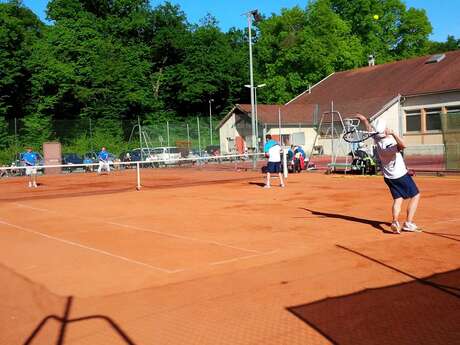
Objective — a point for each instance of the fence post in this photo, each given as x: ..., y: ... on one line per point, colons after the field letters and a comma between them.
x: 15, y: 135
x: 140, y: 137
x: 188, y: 138
x: 90, y: 134
x: 167, y: 131
x: 199, y: 136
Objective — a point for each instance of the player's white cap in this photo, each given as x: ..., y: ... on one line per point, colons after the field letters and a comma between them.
x: 380, y: 125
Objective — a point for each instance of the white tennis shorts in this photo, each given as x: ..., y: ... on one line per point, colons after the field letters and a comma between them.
x: 31, y: 170
x: 103, y: 165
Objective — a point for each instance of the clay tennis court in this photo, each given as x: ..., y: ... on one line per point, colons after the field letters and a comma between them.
x: 210, y: 257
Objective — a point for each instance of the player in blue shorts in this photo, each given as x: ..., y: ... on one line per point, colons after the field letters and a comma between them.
x: 402, y: 187
x: 103, y: 157
x: 273, y: 151
x: 29, y: 158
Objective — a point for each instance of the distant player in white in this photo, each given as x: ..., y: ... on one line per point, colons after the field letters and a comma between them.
x: 389, y: 146
x: 273, y: 151
x: 103, y: 157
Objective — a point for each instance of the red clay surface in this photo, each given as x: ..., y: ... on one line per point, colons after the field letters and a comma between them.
x: 202, y: 257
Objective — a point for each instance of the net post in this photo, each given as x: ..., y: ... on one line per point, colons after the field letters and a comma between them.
x: 138, y: 172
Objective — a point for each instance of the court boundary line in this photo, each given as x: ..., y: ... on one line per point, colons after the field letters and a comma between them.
x: 243, y: 257
x: 138, y: 228
x: 135, y: 227
x: 99, y: 251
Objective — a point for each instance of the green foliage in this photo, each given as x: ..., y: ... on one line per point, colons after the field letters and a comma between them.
x: 398, y: 33
x: 5, y: 139
x: 301, y: 47
x: 19, y: 29
x: 414, y: 31
x: 37, y: 129
x: 7, y: 155
x: 440, y: 47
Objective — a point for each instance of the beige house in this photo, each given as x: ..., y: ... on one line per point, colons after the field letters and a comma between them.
x: 287, y: 124
x: 410, y: 94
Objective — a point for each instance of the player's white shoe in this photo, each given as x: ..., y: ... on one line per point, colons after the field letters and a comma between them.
x: 267, y: 186
x: 35, y: 185
x: 30, y: 184
x: 411, y: 227
x: 395, y: 227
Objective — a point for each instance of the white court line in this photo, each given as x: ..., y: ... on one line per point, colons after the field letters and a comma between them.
x: 243, y: 258
x: 185, y: 237
x: 448, y: 221
x: 151, y: 231
x: 34, y: 208
x: 89, y: 248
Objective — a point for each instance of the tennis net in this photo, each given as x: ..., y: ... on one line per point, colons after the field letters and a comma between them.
x: 82, y: 179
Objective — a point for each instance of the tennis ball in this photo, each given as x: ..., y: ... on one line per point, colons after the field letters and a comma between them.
x: 376, y: 16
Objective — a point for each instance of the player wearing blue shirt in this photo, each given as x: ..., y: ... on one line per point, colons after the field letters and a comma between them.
x: 30, y: 159
x: 103, y: 157
x: 273, y: 151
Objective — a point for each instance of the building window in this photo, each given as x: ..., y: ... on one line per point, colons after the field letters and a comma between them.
x: 433, y: 119
x: 453, y: 109
x: 285, y: 139
x: 298, y: 138
x: 413, y: 120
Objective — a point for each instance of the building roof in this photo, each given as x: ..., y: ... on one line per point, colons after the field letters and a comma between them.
x: 268, y: 113
x: 369, y: 89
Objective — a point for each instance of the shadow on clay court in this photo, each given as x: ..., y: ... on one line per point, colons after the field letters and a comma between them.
x: 448, y: 236
x: 260, y: 184
x: 374, y: 223
x: 422, y: 311
x: 65, y: 322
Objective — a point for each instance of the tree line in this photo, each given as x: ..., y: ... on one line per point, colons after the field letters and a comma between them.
x: 114, y: 61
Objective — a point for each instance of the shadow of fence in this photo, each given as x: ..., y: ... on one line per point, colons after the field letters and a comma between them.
x: 65, y: 322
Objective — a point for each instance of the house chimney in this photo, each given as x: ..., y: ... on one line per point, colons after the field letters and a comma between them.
x: 371, y: 60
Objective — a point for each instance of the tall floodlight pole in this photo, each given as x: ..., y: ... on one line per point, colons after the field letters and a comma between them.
x: 257, y: 117
x: 256, y: 122
x: 210, y: 120
x: 250, y: 15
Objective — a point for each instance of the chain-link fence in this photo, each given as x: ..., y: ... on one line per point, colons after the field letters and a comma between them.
x: 451, y: 137
x: 194, y: 134
x: 81, y: 136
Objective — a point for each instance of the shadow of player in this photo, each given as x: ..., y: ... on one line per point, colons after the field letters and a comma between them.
x: 374, y: 223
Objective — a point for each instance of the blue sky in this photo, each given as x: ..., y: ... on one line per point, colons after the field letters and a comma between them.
x: 443, y: 14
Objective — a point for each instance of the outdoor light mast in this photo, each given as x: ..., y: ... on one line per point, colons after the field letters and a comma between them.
x: 256, y: 122
x: 254, y: 14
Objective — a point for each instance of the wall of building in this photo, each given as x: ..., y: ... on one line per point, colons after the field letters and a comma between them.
x: 447, y: 98
x: 426, y: 141
x: 309, y: 134
x: 226, y: 133
x: 391, y: 117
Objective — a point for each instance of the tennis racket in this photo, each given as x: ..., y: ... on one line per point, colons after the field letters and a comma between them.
x: 357, y: 136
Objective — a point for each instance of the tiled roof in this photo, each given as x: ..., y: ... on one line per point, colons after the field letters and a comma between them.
x: 268, y: 113
x: 368, y: 89
x: 365, y: 90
